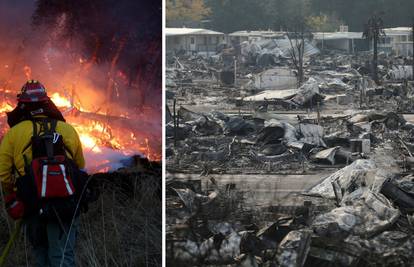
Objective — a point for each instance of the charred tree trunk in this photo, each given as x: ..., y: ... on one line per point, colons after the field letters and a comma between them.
x: 413, y: 48
x: 297, y: 53
x: 375, y: 61
x: 111, y: 73
x: 301, y: 52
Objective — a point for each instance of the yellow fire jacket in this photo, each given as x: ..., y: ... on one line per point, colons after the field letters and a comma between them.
x: 18, y: 138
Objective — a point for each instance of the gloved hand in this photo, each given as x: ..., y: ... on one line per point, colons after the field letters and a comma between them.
x: 14, y: 207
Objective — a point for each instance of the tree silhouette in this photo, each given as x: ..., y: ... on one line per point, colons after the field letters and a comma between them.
x: 127, y: 34
x: 373, y: 31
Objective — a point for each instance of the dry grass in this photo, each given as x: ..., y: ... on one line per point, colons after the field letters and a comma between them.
x: 122, y: 227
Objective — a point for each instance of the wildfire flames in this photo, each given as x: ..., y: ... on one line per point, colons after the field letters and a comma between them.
x: 97, y: 137
x: 99, y: 140
x: 107, y: 84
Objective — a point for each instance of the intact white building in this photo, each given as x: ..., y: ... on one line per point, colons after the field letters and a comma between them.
x: 193, y: 41
x: 350, y: 42
x: 398, y: 41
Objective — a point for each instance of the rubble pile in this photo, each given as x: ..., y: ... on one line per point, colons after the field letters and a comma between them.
x: 338, y: 125
x: 370, y: 222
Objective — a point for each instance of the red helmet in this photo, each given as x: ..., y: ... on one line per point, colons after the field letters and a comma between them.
x: 32, y: 91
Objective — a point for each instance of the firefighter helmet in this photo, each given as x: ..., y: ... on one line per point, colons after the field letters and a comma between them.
x: 32, y: 91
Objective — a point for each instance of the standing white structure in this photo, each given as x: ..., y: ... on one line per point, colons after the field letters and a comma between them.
x: 397, y: 40
x: 193, y: 41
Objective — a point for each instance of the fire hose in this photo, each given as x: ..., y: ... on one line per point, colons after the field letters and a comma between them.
x: 9, y: 244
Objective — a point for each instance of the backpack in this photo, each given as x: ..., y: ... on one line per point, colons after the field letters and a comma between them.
x: 53, y: 185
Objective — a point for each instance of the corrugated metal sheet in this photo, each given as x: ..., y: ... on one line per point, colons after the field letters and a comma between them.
x: 277, y: 47
x: 285, y: 46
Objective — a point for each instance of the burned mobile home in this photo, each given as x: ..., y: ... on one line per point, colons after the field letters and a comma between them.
x: 264, y: 170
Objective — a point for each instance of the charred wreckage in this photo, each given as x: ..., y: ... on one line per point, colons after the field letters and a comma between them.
x: 262, y: 171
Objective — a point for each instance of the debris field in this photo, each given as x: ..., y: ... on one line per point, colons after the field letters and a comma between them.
x: 263, y: 171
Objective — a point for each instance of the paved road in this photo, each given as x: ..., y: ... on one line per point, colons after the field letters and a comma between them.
x: 264, y: 189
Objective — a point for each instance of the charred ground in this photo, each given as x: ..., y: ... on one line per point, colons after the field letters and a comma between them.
x: 315, y: 176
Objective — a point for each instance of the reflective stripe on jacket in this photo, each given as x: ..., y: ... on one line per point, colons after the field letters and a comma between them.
x: 18, y: 138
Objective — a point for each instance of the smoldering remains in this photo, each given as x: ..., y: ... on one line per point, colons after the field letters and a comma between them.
x: 265, y: 171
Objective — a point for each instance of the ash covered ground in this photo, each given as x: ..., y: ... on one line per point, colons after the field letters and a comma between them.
x: 262, y: 171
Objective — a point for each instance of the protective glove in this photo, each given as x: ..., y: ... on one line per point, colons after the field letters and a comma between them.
x: 14, y: 207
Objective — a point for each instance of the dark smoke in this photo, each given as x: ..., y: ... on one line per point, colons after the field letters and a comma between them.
x: 102, y: 26
x: 109, y: 52
x: 96, y: 30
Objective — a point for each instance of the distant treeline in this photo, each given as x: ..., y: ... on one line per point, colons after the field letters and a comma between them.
x: 321, y: 15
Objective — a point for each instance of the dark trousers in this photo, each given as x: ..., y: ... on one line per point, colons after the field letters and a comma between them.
x: 53, y: 242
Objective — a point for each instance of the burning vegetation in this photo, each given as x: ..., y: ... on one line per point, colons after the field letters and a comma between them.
x: 101, y: 67
x: 101, y: 64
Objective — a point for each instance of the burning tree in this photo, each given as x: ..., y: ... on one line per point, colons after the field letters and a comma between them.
x: 373, y: 31
x: 125, y: 34
x: 101, y: 63
x: 91, y: 46
x: 104, y: 59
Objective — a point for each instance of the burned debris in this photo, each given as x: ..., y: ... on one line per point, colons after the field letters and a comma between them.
x: 264, y: 171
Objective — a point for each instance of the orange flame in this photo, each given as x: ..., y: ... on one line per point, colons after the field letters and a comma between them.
x: 60, y: 101
x: 5, y: 107
x: 98, y: 137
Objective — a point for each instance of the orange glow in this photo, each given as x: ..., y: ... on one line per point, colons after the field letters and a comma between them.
x: 96, y: 135
x: 60, y: 101
x: 88, y: 142
x: 5, y: 107
x: 102, y: 128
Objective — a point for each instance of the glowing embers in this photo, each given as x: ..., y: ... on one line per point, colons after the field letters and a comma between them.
x: 89, y: 142
x: 100, y: 133
x: 5, y: 107
x: 95, y: 135
x: 60, y: 101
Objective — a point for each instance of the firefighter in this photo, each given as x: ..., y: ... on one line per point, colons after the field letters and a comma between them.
x: 51, y: 234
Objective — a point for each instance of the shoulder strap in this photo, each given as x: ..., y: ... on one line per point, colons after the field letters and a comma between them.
x: 46, y: 130
x: 44, y: 125
x: 53, y: 124
x: 49, y: 131
x: 35, y: 133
